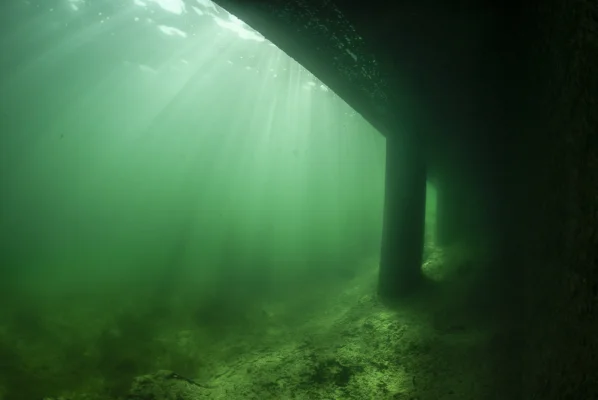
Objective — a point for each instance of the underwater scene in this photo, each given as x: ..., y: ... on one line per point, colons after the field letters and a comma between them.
x: 188, y: 213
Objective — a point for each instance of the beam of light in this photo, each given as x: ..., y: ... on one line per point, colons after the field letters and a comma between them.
x: 156, y: 113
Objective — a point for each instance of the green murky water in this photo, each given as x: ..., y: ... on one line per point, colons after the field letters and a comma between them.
x: 180, y: 194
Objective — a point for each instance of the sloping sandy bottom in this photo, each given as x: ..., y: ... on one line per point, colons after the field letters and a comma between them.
x: 353, y: 347
x: 338, y: 343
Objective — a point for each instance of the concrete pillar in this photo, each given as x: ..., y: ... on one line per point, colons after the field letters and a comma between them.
x: 404, y: 214
x: 448, y: 213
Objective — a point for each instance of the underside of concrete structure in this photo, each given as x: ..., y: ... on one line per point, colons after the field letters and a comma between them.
x: 426, y: 76
x: 496, y: 104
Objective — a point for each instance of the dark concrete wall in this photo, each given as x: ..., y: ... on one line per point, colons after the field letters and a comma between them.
x: 554, y: 188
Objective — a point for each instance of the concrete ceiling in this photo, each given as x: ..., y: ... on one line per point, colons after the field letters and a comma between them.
x: 423, y: 67
x: 320, y: 37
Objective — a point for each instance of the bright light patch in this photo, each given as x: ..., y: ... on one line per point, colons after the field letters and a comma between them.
x: 309, y: 85
x: 169, y: 30
x: 172, y: 6
x: 75, y: 5
x: 209, y: 4
x: 239, y: 27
